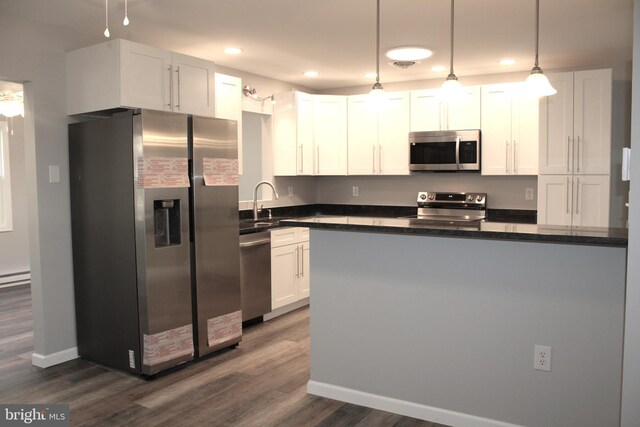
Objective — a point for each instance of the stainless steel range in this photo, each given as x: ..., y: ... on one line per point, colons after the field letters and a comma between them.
x: 451, y: 206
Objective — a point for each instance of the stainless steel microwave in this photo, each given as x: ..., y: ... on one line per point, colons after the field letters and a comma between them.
x: 451, y: 150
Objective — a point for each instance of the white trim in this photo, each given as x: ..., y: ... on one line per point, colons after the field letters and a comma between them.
x: 402, y: 407
x: 45, y: 361
x: 6, y: 221
x: 286, y: 309
x: 15, y: 279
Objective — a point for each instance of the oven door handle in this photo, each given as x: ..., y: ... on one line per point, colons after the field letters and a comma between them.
x: 458, y: 152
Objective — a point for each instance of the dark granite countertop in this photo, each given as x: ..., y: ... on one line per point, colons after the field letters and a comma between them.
x: 483, y: 230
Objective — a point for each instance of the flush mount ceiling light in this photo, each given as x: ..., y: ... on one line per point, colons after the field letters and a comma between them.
x: 311, y: 73
x: 409, y: 53
x: 11, y: 104
x: 537, y: 83
x: 232, y: 50
x: 377, y: 88
x: 452, y: 88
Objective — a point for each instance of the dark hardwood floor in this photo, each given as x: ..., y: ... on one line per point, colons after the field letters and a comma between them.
x: 262, y: 382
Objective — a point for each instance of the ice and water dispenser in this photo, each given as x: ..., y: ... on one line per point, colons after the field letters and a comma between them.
x: 166, y: 222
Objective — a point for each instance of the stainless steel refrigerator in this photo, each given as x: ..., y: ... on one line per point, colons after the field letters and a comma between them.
x: 154, y: 206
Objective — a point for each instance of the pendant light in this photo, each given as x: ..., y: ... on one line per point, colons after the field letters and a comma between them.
x: 125, y: 22
x: 452, y: 88
x: 106, y: 18
x: 377, y: 88
x: 537, y: 83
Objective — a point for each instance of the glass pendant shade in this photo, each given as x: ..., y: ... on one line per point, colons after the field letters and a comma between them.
x: 538, y: 84
x: 11, y: 108
x: 452, y: 89
x: 377, y: 89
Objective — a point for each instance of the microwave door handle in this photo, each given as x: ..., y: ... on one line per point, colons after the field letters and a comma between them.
x: 458, y: 152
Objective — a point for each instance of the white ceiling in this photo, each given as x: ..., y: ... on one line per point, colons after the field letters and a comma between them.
x: 283, y: 38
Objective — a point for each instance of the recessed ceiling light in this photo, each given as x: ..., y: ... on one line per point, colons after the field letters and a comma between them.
x: 232, y: 50
x: 311, y: 73
x: 438, y: 68
x: 408, y: 53
x: 370, y: 75
x: 507, y: 61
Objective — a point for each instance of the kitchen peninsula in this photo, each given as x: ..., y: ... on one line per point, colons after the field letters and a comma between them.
x: 440, y: 323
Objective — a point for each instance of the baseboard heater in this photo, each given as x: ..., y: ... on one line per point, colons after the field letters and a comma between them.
x: 15, y: 279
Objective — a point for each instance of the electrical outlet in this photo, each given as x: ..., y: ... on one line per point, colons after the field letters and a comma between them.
x: 291, y: 191
x: 355, y: 191
x: 542, y: 358
x: 528, y: 193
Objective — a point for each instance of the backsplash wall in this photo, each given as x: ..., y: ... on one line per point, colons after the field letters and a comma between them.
x: 504, y: 192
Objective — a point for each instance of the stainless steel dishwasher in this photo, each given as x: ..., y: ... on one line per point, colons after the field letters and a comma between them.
x: 255, y: 274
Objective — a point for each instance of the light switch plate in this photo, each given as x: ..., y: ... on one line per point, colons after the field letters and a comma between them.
x: 54, y: 174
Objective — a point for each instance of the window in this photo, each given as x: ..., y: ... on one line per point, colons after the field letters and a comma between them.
x: 5, y: 182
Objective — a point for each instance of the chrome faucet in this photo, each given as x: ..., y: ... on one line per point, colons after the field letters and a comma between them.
x: 255, y: 197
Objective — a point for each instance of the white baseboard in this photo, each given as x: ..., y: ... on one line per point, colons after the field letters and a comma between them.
x: 402, y: 407
x: 287, y: 308
x: 15, y: 279
x: 45, y: 361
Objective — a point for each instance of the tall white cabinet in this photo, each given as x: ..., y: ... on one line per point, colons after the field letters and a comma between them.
x: 378, y: 129
x: 120, y: 73
x: 575, y: 150
x: 310, y: 134
x: 509, y: 130
x: 228, y: 104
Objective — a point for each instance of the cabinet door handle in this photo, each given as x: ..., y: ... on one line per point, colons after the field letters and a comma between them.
x: 579, y: 185
x: 566, y: 199
x: 301, y: 159
x: 301, y: 260
x: 568, y: 153
x: 178, y: 73
x: 578, y: 157
x: 515, y: 156
x: 317, y: 160
x: 506, y: 157
x: 170, y: 69
x: 297, y: 261
x: 373, y: 160
x: 379, y: 158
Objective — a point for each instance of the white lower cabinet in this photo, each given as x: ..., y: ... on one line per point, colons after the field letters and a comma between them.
x: 578, y: 200
x: 289, y: 266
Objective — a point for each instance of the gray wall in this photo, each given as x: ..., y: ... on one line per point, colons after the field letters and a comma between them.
x: 451, y: 323
x: 14, y: 245
x: 34, y: 54
x: 631, y: 373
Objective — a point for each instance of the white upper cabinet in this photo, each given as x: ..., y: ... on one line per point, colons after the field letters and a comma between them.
x: 575, y: 124
x: 228, y: 104
x: 120, y: 73
x: 330, y: 134
x: 310, y: 134
x: 509, y: 131
x: 429, y: 112
x: 393, y: 134
x: 362, y: 135
x: 378, y: 134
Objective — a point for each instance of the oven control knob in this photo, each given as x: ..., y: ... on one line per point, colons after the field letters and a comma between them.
x: 423, y: 196
x: 431, y: 197
x: 470, y: 197
x: 479, y: 198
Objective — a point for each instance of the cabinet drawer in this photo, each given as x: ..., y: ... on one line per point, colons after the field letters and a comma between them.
x: 288, y: 235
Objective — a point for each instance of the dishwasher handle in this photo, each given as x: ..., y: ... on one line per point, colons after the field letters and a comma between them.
x: 255, y: 243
